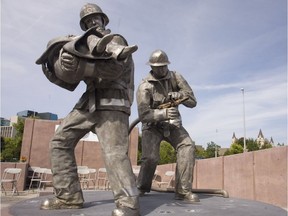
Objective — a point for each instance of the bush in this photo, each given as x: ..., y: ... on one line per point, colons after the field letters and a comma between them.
x: 11, y: 147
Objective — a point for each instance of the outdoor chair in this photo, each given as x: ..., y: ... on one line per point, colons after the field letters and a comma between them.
x: 11, y: 176
x: 92, y: 177
x: 156, y: 174
x: 30, y: 174
x: 167, y: 179
x: 82, y: 167
x: 36, y: 177
x: 83, y: 175
x: 102, y: 178
x: 136, y: 171
x: 46, y: 179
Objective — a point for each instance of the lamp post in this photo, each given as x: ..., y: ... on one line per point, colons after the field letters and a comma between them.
x: 244, y: 124
x: 216, y: 150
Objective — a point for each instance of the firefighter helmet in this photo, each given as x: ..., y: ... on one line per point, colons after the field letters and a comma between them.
x: 91, y: 9
x: 158, y: 58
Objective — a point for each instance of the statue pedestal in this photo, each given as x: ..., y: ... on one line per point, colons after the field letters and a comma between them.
x: 101, y: 203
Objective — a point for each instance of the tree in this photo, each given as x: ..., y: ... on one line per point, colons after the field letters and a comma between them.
x: 211, y: 148
x: 167, y: 153
x: 200, y: 153
x: 11, y: 147
x: 266, y: 145
x: 252, y: 145
x: 11, y: 151
x: 236, y: 148
x: 19, y: 126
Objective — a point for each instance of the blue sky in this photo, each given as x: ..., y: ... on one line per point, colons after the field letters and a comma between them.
x: 219, y: 46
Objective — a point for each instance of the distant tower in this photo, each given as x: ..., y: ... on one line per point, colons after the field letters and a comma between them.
x: 271, y: 141
x: 260, y: 139
x: 234, y: 139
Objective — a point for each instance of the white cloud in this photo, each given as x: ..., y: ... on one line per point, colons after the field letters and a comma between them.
x: 265, y: 107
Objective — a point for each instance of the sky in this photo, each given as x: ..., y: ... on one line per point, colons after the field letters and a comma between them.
x: 219, y: 47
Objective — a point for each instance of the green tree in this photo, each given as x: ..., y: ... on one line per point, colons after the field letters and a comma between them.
x: 236, y: 148
x: 200, y: 153
x: 252, y: 145
x: 240, y: 141
x: 19, y: 126
x: 167, y: 153
x: 266, y: 145
x: 11, y: 151
x: 210, y: 150
x: 11, y: 147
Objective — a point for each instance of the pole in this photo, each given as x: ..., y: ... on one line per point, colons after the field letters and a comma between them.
x: 216, y: 150
x: 244, y: 124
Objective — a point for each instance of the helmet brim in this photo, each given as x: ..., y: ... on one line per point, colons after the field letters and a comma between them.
x: 104, y: 16
x: 158, y: 64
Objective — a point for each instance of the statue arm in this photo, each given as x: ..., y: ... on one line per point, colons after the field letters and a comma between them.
x: 145, y: 111
x: 186, y: 91
x: 50, y: 74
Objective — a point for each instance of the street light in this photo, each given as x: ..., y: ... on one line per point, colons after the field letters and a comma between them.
x: 244, y: 125
x: 216, y: 150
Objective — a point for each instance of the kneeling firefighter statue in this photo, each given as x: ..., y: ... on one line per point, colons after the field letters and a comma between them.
x: 104, y: 62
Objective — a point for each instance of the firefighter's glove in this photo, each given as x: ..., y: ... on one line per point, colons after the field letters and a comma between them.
x: 175, y: 95
x: 69, y: 62
x: 173, y: 113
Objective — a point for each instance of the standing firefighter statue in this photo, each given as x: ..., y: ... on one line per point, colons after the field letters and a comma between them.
x: 104, y: 62
x: 158, y: 97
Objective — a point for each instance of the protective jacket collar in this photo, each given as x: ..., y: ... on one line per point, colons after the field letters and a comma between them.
x: 151, y: 78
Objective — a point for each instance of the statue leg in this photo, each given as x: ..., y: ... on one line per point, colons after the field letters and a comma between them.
x: 97, y: 45
x: 151, y: 139
x: 112, y: 132
x: 101, y: 46
x: 185, y: 149
x: 120, y: 52
x: 68, y: 193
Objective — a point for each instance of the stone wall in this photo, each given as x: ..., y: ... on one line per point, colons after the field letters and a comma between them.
x: 259, y: 175
x: 38, y: 133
